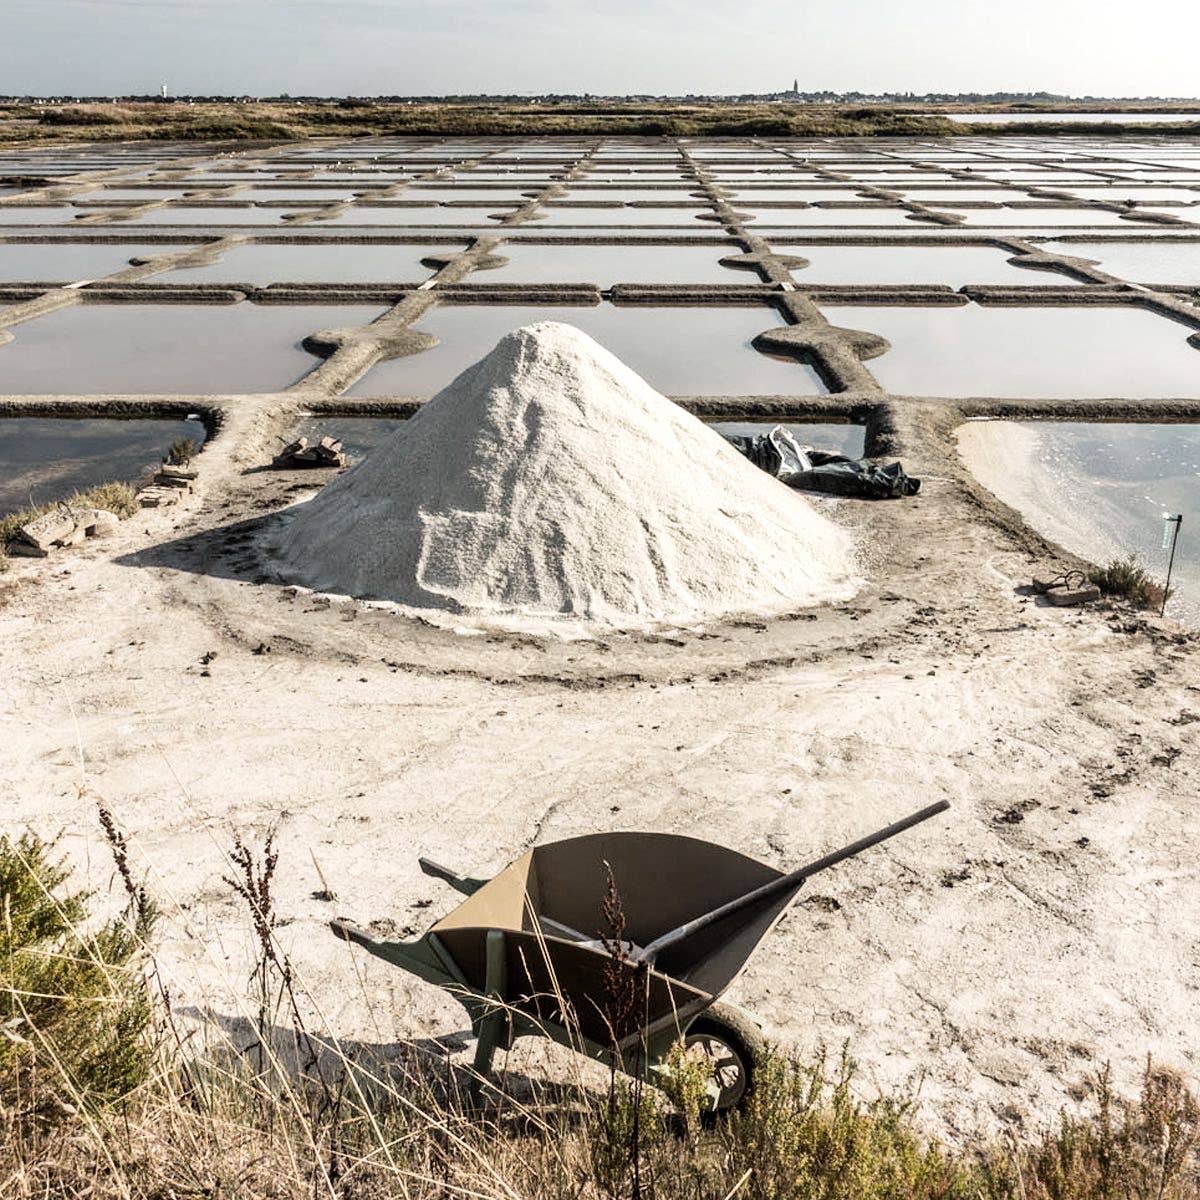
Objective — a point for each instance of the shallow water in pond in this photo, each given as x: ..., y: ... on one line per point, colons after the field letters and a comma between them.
x: 1037, y: 218
x: 41, y: 215
x: 940, y: 197
x: 955, y: 266
x: 302, y: 195
x: 360, y: 435
x: 197, y: 215
x: 47, y: 459
x: 1138, y: 262
x: 683, y: 196
x: 378, y: 215
x: 840, y: 439
x: 101, y: 195
x: 287, y: 262
x: 168, y: 348
x: 504, y: 196
x: 883, y: 215
x: 1136, y: 192
x: 67, y: 262
x: 1100, y: 490
x: 553, y: 217
x: 746, y: 196
x: 680, y: 351
x: 606, y: 265
x: 972, y: 350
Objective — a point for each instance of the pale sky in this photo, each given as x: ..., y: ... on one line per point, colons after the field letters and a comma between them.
x: 366, y: 47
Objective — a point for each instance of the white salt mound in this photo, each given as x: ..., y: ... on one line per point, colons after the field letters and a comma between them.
x: 550, y: 480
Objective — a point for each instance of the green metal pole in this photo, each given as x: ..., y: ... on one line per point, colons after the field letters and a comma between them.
x: 1178, y: 519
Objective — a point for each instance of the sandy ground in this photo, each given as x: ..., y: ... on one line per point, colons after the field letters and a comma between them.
x: 1001, y: 954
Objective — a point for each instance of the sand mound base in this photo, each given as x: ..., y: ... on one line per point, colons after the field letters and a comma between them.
x: 549, y: 481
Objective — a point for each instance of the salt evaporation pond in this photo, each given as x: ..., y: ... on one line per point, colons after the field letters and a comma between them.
x: 1100, y: 490
x: 360, y: 435
x: 47, y: 459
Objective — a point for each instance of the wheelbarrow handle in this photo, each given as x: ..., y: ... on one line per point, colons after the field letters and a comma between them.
x: 350, y: 932
x: 461, y: 883
x: 789, y: 882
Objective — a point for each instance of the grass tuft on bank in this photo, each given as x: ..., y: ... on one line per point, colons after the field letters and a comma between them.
x: 1127, y: 579
x: 113, y: 497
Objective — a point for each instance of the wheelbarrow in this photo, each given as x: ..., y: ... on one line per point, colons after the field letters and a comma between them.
x: 525, y: 953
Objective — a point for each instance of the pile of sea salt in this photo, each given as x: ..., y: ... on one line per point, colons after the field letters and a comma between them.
x: 550, y: 481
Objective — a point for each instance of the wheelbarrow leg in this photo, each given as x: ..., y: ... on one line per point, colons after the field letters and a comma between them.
x: 494, y: 1023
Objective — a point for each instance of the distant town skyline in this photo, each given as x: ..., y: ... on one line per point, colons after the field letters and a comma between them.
x: 432, y: 47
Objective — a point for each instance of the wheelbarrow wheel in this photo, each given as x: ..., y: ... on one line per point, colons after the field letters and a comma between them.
x: 733, y: 1046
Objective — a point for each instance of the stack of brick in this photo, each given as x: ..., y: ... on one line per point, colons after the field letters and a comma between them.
x: 169, y: 484
x: 327, y: 452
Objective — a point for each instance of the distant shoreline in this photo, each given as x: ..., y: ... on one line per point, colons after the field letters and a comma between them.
x: 39, y: 122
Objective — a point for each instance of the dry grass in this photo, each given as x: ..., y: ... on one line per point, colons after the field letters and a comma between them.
x: 282, y: 1110
x: 113, y: 497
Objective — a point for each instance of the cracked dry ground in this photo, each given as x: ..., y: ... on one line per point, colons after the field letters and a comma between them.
x: 1046, y: 926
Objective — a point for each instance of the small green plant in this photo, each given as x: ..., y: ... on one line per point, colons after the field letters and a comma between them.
x: 1127, y: 579
x: 75, y: 1010
x: 1144, y: 1149
x: 180, y: 452
x: 685, y: 1082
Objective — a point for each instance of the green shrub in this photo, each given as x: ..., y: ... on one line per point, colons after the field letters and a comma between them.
x: 1127, y: 578
x: 74, y: 1006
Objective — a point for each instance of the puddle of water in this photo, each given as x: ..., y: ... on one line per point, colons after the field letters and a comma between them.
x: 94, y: 349
x: 47, y: 459
x: 977, y: 350
x: 849, y: 440
x: 286, y: 262
x: 681, y: 351
x: 66, y: 262
x: 1139, y: 262
x: 955, y: 266
x: 1100, y: 490
x: 606, y: 265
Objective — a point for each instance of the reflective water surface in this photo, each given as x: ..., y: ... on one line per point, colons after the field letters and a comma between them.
x: 47, y: 459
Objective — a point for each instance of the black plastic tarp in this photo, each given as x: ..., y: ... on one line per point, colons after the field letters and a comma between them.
x: 779, y: 454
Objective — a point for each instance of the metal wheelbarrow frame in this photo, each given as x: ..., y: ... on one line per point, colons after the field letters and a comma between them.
x: 521, y: 954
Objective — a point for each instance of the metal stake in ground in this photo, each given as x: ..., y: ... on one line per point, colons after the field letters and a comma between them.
x: 1175, y: 519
